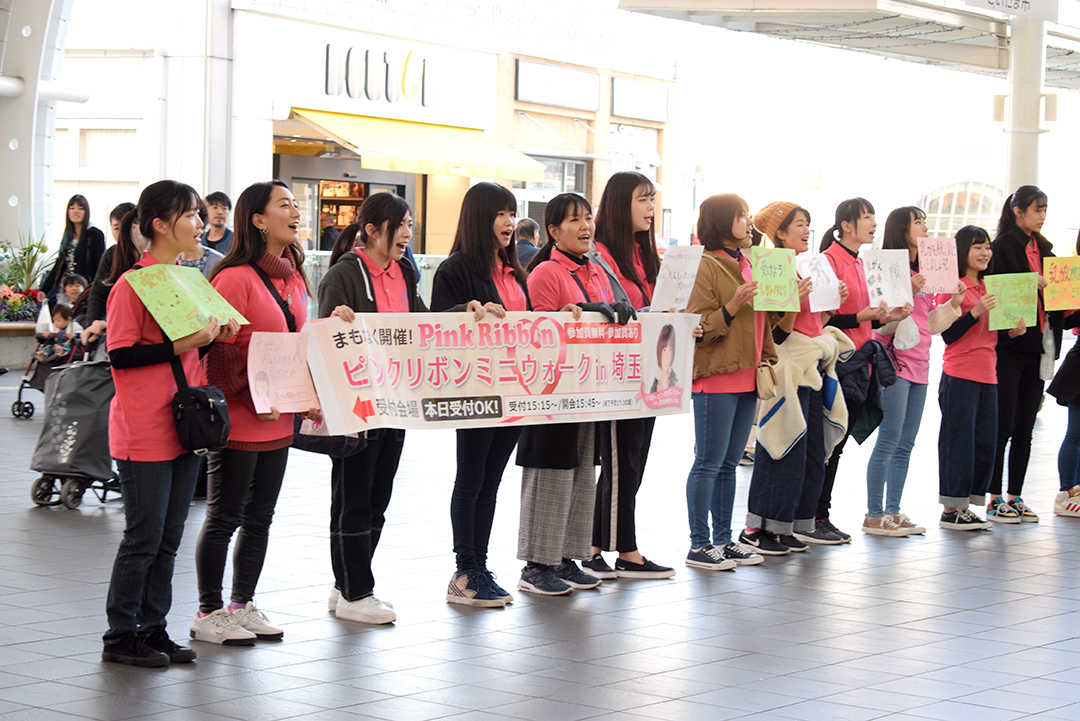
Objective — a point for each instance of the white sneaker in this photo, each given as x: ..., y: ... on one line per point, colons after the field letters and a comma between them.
x: 366, y: 610
x: 1067, y: 505
x: 221, y: 627
x: 335, y: 595
x: 254, y: 620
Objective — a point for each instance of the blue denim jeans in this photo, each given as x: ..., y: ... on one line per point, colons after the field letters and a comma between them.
x: 902, y: 408
x: 722, y: 424
x: 1069, y: 455
x: 157, y: 495
x: 784, y: 491
x: 967, y: 440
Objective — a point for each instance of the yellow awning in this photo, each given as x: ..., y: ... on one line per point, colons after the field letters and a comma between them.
x: 424, y: 149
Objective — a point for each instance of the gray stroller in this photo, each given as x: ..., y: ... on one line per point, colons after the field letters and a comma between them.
x: 72, y: 453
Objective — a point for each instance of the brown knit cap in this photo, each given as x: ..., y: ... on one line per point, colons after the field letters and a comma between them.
x: 768, y: 219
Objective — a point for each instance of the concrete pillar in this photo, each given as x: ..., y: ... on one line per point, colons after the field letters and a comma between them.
x: 1027, y: 69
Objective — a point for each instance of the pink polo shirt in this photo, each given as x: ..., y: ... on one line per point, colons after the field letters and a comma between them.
x: 914, y: 363
x: 141, y: 426
x: 632, y: 291
x: 388, y: 285
x: 552, y: 285
x: 974, y: 356
x: 849, y: 269
x: 510, y: 292
x: 245, y: 291
x: 1034, y: 259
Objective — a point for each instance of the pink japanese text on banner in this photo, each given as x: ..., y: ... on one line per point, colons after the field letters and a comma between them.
x: 445, y: 370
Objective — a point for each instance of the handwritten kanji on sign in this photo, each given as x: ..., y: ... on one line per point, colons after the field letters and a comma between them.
x: 888, y: 277
x: 774, y: 272
x: 937, y: 263
x: 1062, y: 291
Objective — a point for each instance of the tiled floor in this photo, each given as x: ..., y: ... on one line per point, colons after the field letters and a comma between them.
x: 948, y: 626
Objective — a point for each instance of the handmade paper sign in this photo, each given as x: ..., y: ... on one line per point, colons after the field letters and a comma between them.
x: 676, y: 278
x: 181, y: 299
x: 1017, y: 297
x: 825, y: 294
x: 278, y: 374
x: 888, y: 277
x: 937, y: 263
x: 774, y: 272
x: 1062, y: 291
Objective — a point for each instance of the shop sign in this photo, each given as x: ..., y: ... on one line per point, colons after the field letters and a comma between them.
x: 1038, y: 9
x: 380, y: 76
x: 557, y: 85
x: 638, y: 99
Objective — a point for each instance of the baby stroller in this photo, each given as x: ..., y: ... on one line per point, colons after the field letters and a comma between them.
x: 72, y: 452
x: 37, y: 372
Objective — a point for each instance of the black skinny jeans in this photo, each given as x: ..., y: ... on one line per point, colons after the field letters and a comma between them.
x: 624, y: 449
x: 241, y: 493
x: 360, y: 488
x: 482, y: 454
x: 825, y: 501
x: 1020, y: 391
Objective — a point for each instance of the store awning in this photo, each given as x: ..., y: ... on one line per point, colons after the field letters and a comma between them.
x: 421, y: 148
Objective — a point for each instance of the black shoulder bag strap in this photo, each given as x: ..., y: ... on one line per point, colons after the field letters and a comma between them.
x: 290, y: 319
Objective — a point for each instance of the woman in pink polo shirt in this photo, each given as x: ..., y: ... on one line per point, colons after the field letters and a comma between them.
x: 483, y: 266
x: 626, y: 241
x: 968, y: 389
x: 157, y: 474
x: 263, y: 278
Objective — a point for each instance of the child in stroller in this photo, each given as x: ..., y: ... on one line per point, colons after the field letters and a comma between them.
x: 60, y: 340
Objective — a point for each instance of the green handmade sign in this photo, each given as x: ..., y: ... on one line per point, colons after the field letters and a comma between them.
x: 774, y: 272
x: 1017, y: 297
x: 181, y: 300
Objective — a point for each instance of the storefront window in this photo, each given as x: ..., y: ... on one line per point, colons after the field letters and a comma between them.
x: 560, y: 176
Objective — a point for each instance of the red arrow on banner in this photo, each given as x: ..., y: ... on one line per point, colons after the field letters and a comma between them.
x: 363, y: 409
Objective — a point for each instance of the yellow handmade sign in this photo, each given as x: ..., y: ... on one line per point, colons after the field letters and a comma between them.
x: 1062, y: 291
x: 774, y: 272
x: 181, y: 300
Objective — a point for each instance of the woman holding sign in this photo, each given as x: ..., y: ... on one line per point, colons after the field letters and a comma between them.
x: 482, y: 268
x: 902, y: 402
x: 558, y: 479
x: 1019, y: 247
x: 157, y: 474
x: 736, y: 341
x: 626, y: 243
x: 263, y: 278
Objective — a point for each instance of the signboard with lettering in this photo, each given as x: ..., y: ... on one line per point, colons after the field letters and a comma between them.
x: 1017, y: 297
x: 888, y: 277
x: 774, y: 272
x: 1062, y: 291
x: 678, y: 271
x: 937, y: 263
x: 1038, y: 9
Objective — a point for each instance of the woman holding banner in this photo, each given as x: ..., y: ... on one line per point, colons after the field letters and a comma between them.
x: 902, y: 402
x: 483, y: 267
x: 157, y: 474
x: 263, y: 278
x: 626, y: 244
x: 1019, y: 247
x: 558, y: 479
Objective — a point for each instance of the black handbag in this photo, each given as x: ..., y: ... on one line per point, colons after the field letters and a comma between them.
x: 200, y: 413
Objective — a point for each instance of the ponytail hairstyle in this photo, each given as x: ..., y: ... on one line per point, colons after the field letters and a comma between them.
x: 345, y: 243
x: 556, y: 211
x: 716, y: 215
x: 69, y: 227
x: 966, y: 237
x: 615, y: 229
x: 166, y: 200
x: 385, y: 211
x: 474, y: 237
x: 850, y: 210
x: 248, y: 242
x: 1024, y: 197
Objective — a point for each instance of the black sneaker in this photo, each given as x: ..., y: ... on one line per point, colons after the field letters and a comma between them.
x: 844, y: 537
x: 160, y: 641
x: 132, y: 651
x: 574, y: 577
x: 597, y: 566
x: 793, y: 543
x: 963, y: 520
x: 764, y: 543
x: 821, y: 535
x: 741, y: 556
x: 648, y: 569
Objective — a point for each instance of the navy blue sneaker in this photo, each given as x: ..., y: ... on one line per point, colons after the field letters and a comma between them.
x: 503, y: 593
x: 541, y: 579
x: 472, y: 589
x: 574, y: 577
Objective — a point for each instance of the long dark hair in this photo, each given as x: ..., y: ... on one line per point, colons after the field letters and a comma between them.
x: 248, y: 242
x: 716, y: 215
x: 897, y: 227
x: 474, y: 237
x: 385, y: 211
x: 69, y: 227
x: 850, y: 210
x: 966, y: 237
x: 165, y: 199
x: 615, y: 229
x: 1021, y: 200
x: 345, y: 243
x: 555, y: 213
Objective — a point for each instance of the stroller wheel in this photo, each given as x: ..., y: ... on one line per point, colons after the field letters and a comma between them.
x: 16, y: 409
x: 43, y: 490
x: 28, y: 409
x: 71, y: 493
